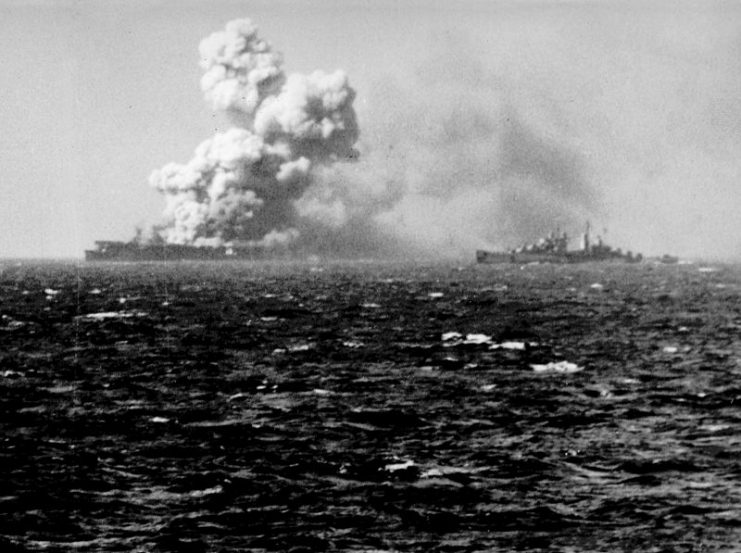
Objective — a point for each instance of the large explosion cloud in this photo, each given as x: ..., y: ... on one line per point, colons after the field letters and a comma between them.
x: 450, y: 165
x: 245, y: 185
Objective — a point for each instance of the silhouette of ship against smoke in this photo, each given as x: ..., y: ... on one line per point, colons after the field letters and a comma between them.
x: 251, y: 190
x: 554, y: 249
x: 108, y: 250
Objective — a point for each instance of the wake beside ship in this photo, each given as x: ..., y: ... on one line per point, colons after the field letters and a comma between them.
x: 554, y: 249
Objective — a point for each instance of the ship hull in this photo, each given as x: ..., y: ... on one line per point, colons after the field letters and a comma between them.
x: 123, y: 252
x: 494, y: 258
x: 483, y: 256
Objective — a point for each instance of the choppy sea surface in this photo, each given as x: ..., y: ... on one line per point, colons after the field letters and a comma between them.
x: 370, y: 407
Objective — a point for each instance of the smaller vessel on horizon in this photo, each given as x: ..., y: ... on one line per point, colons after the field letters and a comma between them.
x: 554, y: 249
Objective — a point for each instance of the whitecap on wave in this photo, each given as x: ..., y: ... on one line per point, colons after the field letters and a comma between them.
x: 557, y: 367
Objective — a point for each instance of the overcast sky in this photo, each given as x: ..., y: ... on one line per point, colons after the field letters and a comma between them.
x: 633, y: 111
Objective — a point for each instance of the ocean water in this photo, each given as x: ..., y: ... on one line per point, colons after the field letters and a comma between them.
x: 370, y: 407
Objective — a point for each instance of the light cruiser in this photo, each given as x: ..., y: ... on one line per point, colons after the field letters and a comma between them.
x: 554, y: 249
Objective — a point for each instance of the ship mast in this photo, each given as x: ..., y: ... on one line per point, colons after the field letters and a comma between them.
x: 585, y: 245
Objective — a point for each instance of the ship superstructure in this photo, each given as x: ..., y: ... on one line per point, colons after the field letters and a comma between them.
x: 553, y: 248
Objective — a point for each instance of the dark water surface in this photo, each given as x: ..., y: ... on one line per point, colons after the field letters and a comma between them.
x: 198, y: 407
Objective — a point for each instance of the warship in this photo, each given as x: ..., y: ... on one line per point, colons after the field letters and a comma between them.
x: 109, y: 250
x: 554, y: 249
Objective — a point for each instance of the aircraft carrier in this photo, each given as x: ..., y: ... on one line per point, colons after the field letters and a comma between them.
x: 109, y: 250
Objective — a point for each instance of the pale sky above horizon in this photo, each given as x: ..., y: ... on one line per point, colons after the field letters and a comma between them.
x: 646, y: 99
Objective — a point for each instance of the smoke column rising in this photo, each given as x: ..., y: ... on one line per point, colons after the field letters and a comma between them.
x: 242, y: 186
x: 442, y: 174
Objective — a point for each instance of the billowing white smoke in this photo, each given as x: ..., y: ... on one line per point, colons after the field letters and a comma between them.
x: 450, y: 166
x: 243, y: 185
x: 241, y: 70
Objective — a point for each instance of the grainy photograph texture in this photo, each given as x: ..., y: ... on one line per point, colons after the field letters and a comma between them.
x: 370, y: 277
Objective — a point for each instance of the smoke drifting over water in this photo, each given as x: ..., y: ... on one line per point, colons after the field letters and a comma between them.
x: 475, y: 124
x: 437, y: 177
x: 474, y: 172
